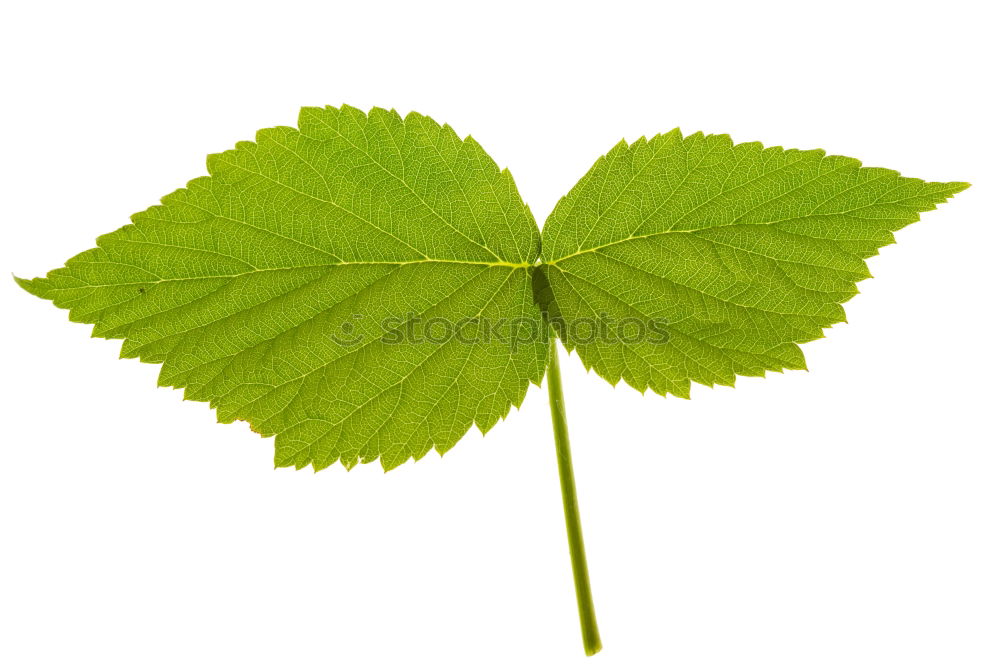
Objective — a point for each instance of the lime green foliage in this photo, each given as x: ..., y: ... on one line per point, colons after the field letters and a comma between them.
x: 739, y: 251
x: 265, y: 287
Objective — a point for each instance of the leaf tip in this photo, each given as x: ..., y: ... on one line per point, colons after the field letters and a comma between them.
x: 35, y: 286
x: 959, y: 186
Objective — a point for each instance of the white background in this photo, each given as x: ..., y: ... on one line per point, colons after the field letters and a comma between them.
x: 846, y: 515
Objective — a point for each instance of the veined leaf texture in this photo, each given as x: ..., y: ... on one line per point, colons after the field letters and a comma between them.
x: 298, y: 285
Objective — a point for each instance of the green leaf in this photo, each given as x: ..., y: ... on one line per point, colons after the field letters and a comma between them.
x: 287, y: 287
x: 725, y: 256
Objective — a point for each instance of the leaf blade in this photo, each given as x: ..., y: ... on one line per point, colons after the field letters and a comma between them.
x: 248, y: 285
x: 738, y: 252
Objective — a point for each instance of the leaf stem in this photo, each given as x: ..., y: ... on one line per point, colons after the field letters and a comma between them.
x: 574, y: 532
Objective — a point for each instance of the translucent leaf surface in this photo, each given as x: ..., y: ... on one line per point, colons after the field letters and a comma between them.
x: 292, y: 288
x: 727, y: 255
